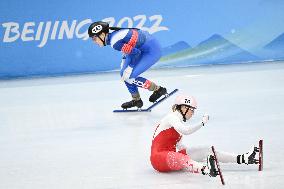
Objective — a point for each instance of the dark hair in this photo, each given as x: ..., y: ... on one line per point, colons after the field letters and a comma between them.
x: 119, y: 28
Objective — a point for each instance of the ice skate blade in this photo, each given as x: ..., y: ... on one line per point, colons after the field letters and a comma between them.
x: 165, y: 96
x: 260, y: 155
x: 149, y: 109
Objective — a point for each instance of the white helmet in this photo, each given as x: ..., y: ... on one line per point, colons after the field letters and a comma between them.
x: 186, y: 100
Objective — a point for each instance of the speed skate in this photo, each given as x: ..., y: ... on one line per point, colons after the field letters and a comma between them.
x: 260, y: 155
x: 149, y: 109
x: 219, y: 171
x: 257, y: 149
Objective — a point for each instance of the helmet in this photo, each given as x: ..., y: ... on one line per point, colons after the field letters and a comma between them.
x: 96, y: 28
x: 186, y: 100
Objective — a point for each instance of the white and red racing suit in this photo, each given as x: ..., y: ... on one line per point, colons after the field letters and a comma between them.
x: 169, y: 154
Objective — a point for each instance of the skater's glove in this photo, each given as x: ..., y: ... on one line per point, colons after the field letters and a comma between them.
x: 126, y: 74
x: 205, y: 119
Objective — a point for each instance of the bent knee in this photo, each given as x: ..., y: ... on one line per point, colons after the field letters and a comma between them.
x: 128, y: 80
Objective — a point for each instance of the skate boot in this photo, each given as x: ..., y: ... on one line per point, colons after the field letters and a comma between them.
x: 157, y: 94
x: 249, y: 157
x: 210, y: 168
x: 132, y: 103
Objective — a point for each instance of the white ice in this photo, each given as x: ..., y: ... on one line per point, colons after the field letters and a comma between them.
x: 61, y: 132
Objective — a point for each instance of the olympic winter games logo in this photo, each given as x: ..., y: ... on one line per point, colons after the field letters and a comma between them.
x: 97, y: 29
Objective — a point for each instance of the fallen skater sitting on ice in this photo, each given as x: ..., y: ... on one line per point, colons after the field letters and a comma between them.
x: 169, y: 154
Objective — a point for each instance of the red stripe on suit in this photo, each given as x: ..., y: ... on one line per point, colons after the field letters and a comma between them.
x: 127, y: 47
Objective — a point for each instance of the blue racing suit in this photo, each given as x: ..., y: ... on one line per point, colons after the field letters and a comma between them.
x: 141, y: 50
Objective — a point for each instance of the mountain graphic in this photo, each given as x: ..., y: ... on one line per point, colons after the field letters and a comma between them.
x: 215, y: 49
x: 179, y: 46
x: 275, y: 49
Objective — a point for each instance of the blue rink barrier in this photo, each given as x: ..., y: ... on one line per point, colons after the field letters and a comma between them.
x: 44, y: 39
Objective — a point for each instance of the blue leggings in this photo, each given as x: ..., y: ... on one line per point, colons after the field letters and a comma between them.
x: 150, y: 54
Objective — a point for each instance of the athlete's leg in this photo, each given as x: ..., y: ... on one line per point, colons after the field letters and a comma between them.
x: 173, y: 161
x: 178, y: 161
x: 201, y: 153
x: 132, y: 88
x: 151, y: 53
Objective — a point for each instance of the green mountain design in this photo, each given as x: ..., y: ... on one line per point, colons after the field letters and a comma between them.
x: 215, y: 49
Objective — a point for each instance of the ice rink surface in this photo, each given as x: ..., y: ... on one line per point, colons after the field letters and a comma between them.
x: 61, y: 132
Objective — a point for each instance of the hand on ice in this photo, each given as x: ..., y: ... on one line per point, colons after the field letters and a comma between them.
x: 205, y: 119
x: 126, y: 74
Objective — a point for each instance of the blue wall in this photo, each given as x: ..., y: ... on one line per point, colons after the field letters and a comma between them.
x: 49, y: 37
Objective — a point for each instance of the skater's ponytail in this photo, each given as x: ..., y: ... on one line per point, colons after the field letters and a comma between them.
x: 119, y: 28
